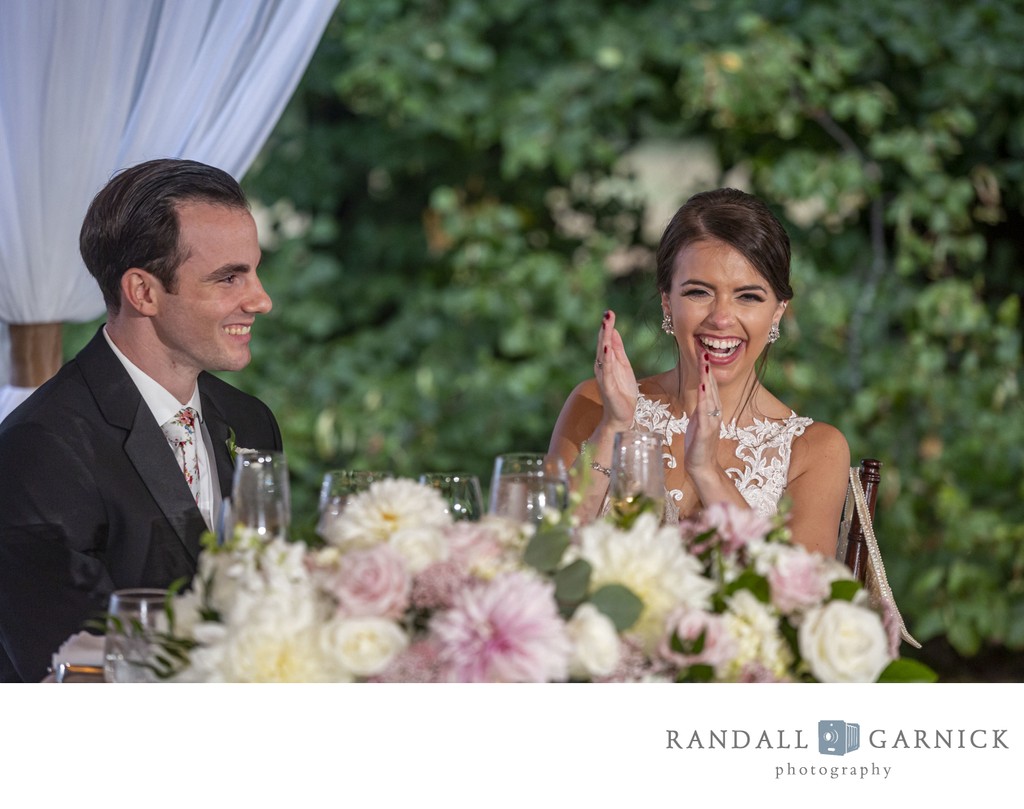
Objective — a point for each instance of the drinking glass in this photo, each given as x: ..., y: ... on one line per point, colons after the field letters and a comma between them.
x: 525, y: 484
x: 260, y: 497
x: 461, y: 492
x: 133, y: 619
x: 637, y: 475
x: 338, y: 488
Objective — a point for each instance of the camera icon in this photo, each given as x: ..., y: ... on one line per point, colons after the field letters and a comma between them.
x: 837, y: 738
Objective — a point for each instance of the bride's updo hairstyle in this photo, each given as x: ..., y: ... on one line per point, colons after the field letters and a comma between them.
x: 738, y: 219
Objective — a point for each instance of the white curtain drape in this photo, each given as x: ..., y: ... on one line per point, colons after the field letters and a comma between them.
x: 88, y: 87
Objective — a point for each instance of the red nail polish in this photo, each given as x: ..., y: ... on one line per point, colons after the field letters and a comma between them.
x: 607, y: 313
x: 707, y: 369
x: 702, y: 386
x: 706, y: 357
x: 606, y: 349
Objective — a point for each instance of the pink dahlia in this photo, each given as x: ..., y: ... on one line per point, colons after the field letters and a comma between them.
x: 507, y: 630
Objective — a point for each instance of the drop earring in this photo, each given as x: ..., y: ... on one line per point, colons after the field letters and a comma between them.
x: 773, y: 333
x: 666, y: 324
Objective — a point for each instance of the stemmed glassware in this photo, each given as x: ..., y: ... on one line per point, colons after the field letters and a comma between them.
x: 134, y: 617
x: 260, y: 499
x: 338, y: 487
x: 526, y: 484
x: 460, y: 490
x: 637, y: 475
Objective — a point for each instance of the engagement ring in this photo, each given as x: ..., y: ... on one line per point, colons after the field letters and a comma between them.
x: 600, y: 364
x: 715, y: 413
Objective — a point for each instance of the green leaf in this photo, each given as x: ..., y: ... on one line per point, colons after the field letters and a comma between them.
x: 701, y: 673
x: 572, y: 582
x: 749, y: 580
x: 845, y: 589
x: 619, y: 604
x: 907, y: 670
x: 547, y: 547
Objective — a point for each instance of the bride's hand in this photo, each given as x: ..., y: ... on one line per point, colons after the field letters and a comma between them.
x: 702, y: 433
x: 615, y: 377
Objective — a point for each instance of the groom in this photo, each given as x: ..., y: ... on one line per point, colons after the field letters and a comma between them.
x: 111, y: 471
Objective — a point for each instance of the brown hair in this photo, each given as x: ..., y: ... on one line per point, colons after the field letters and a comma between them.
x: 738, y: 219
x: 133, y: 220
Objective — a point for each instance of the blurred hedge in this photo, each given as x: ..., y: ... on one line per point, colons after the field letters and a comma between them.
x: 459, y: 190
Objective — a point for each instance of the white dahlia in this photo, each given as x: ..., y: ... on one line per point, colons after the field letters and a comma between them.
x: 649, y: 559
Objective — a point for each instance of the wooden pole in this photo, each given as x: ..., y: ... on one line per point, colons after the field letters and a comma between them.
x: 36, y: 353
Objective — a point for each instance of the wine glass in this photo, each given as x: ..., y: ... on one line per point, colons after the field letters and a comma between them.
x: 637, y: 475
x: 133, y: 618
x: 526, y: 484
x: 461, y: 491
x: 260, y: 498
x: 338, y: 488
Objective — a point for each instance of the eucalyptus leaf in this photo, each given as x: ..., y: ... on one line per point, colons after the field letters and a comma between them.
x: 572, y: 582
x: 619, y: 604
x: 547, y: 547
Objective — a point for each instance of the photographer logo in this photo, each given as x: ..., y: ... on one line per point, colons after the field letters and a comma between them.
x: 837, y: 738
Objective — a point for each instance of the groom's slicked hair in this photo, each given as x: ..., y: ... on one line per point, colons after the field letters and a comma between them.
x: 133, y: 220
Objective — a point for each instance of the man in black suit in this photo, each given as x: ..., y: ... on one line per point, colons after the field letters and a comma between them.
x: 93, y: 496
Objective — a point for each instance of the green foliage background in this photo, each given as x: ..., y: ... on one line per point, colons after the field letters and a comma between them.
x: 455, y: 195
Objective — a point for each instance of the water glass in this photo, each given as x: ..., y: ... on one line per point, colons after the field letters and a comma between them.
x: 341, y: 485
x: 526, y: 484
x: 637, y: 475
x: 461, y: 492
x: 134, y: 617
x: 260, y: 496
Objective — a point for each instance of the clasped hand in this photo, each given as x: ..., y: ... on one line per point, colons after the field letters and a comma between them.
x: 619, y: 391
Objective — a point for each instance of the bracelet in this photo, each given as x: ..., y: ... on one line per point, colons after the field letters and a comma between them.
x: 604, y: 470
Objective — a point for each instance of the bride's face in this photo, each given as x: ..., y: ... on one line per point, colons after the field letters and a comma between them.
x: 720, y: 306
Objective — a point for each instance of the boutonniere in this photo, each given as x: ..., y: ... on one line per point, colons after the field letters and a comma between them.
x: 233, y: 448
x: 232, y: 445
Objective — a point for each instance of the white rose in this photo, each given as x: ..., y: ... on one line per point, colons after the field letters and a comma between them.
x: 365, y: 646
x: 595, y: 643
x: 844, y: 643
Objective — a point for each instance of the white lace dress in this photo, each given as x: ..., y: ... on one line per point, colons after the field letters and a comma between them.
x: 763, y: 449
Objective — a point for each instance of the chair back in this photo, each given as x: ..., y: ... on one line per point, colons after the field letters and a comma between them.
x: 858, y: 544
x: 855, y: 550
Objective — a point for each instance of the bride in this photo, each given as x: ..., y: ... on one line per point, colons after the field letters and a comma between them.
x: 723, y: 274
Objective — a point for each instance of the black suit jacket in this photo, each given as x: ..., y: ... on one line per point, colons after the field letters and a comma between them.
x: 92, y: 500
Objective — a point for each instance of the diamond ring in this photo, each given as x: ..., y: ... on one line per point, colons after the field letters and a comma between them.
x: 600, y: 364
x: 715, y: 413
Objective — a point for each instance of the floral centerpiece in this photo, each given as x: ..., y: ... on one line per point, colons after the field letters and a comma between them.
x: 399, y: 592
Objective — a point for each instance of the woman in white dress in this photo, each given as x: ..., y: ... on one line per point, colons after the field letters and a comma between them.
x: 723, y: 274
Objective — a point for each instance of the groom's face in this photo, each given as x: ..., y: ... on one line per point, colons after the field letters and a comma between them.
x: 205, y: 324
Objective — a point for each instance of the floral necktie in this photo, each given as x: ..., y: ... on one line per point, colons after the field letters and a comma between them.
x: 181, y: 434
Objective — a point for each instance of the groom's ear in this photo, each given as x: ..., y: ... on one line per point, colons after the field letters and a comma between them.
x: 139, y: 291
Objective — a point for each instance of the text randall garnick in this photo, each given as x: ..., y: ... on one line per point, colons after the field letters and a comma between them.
x: 960, y: 739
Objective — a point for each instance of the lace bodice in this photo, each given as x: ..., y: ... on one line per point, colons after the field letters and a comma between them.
x: 764, y: 449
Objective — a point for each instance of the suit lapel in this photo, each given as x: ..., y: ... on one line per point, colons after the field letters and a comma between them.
x: 145, y: 445
x: 149, y: 452
x: 220, y: 435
